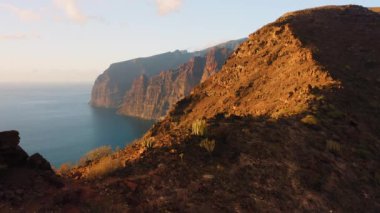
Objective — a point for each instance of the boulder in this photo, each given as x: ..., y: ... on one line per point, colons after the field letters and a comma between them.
x: 13, y: 156
x: 36, y: 161
x: 9, y: 139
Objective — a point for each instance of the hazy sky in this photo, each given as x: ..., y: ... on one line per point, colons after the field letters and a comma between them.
x: 75, y: 40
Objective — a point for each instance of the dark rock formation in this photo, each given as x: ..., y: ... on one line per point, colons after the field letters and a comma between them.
x: 25, y: 181
x: 9, y: 139
x: 12, y: 155
x: 152, y: 98
x: 36, y: 161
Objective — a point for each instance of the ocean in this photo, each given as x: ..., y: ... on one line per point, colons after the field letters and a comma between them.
x: 57, y: 121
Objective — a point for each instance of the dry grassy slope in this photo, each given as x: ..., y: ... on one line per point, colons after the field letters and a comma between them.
x: 323, y: 62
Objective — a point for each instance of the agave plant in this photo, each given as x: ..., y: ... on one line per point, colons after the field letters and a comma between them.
x: 199, y: 127
x: 208, y: 144
x: 148, y: 143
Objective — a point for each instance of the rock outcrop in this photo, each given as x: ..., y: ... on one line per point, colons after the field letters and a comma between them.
x: 25, y: 180
x: 12, y: 155
x: 116, y: 85
x: 37, y: 161
x: 152, y: 98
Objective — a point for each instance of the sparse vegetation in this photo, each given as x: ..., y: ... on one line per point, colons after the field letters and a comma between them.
x: 364, y: 152
x: 335, y: 114
x: 65, y: 168
x: 199, y: 127
x: 310, y: 120
x: 95, y: 155
x: 105, y: 166
x: 148, y: 143
x: 208, y: 144
x: 333, y: 146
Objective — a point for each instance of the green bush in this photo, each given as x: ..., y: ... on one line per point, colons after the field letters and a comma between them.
x: 199, y: 127
x: 95, y: 155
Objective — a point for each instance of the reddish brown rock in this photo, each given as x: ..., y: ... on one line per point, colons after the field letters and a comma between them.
x: 111, y: 86
x: 214, y: 61
x: 152, y: 98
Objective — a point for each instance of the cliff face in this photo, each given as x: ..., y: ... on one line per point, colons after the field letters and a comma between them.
x: 214, y: 61
x: 155, y: 98
x: 113, y: 86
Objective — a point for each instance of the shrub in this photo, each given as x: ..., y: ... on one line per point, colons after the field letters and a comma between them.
x: 148, y: 143
x: 199, y: 127
x: 104, y: 167
x: 333, y: 146
x: 95, y: 155
x: 310, y: 119
x: 208, y: 144
x: 65, y: 168
x: 363, y: 153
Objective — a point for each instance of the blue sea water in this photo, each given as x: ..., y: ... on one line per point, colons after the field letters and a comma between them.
x: 57, y: 121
